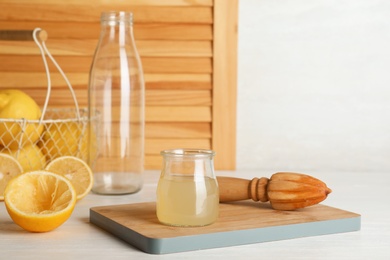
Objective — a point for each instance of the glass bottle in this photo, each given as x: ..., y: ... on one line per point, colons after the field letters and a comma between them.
x: 116, y: 98
x: 187, y: 191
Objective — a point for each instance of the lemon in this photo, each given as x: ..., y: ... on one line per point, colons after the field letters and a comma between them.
x: 76, y: 171
x: 60, y: 139
x: 16, y: 105
x: 39, y: 201
x: 9, y: 168
x: 30, y: 157
x: 68, y: 139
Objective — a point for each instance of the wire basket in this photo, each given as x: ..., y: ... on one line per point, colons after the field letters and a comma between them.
x: 59, y: 131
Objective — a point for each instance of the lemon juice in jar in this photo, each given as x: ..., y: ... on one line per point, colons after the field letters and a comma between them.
x: 187, y: 192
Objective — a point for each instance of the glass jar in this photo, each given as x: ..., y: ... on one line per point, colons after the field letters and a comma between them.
x: 116, y: 98
x: 187, y: 191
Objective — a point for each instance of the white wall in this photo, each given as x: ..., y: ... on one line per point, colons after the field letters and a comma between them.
x: 314, y: 85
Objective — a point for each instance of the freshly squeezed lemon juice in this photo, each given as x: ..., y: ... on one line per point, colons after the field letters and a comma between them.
x: 187, y: 200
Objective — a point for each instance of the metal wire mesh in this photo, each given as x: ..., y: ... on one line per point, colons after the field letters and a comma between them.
x: 36, y: 142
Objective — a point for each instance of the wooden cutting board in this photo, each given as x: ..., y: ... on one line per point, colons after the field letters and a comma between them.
x: 239, y: 223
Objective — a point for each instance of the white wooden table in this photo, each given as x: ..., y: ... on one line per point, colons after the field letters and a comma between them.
x: 365, y: 193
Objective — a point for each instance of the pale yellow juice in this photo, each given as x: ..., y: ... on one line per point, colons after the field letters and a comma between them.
x: 187, y: 200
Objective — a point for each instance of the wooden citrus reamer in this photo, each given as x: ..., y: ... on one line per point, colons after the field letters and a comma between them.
x: 284, y: 190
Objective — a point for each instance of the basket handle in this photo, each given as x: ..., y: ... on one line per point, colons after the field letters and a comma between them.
x: 39, y: 36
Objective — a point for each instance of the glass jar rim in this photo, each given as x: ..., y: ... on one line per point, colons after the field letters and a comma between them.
x: 188, y: 152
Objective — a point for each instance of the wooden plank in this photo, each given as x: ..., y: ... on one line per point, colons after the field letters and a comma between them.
x: 178, y: 77
x: 59, y: 11
x: 176, y: 65
x: 179, y: 85
x: 28, y: 80
x: 174, y: 114
x: 178, y: 114
x: 38, y: 80
x: 181, y: 114
x: 91, y: 30
x: 148, y: 85
x: 178, y: 97
x: 146, y: 31
x: 225, y: 81
x: 61, y: 97
x: 154, y: 145
x: 178, y: 130
x: 118, y: 2
x: 76, y: 47
x: 175, y: 130
x: 34, y: 63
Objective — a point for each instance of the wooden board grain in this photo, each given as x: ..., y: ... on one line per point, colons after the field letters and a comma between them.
x: 239, y: 223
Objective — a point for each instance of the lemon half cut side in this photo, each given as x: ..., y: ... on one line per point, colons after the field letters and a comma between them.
x: 76, y: 171
x: 9, y: 169
x: 39, y: 201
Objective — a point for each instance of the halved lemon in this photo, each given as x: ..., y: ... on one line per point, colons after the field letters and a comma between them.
x: 39, y: 201
x: 76, y: 171
x: 9, y: 168
x: 29, y: 156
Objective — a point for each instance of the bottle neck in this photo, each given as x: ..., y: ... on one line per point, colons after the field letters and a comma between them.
x: 115, y: 18
x: 116, y: 28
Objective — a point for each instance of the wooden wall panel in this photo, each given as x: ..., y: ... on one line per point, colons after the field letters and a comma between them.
x: 224, y: 104
x: 187, y: 48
